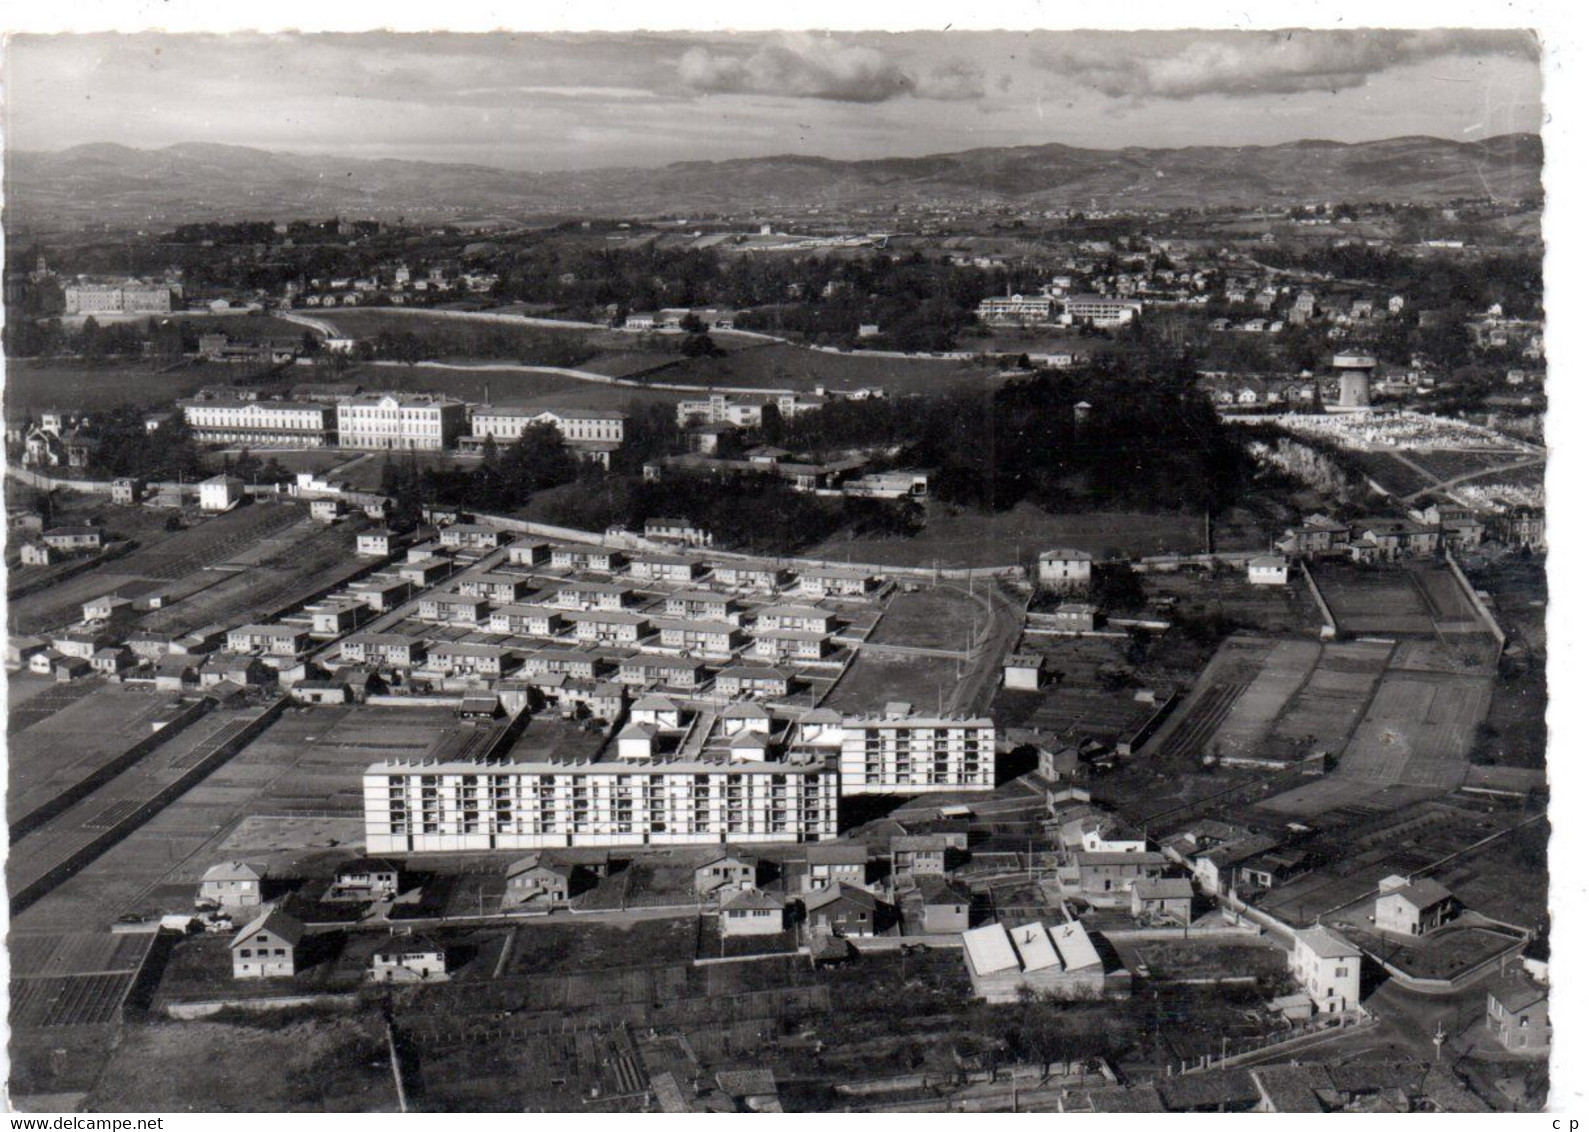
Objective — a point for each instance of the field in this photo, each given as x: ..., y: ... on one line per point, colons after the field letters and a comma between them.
x: 301, y: 1061
x: 82, y: 736
x: 940, y: 617
x: 954, y: 538
x: 1392, y: 472
x: 543, y: 949
x: 873, y: 679
x: 781, y: 366
x: 1418, y: 600
x: 33, y: 386
x: 509, y: 387
x: 1445, y: 464
x: 1228, y: 595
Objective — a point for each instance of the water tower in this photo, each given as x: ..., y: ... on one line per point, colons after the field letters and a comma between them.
x: 1355, y: 373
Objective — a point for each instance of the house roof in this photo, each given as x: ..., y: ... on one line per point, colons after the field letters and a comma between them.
x: 935, y: 890
x: 1326, y: 944
x: 1164, y: 888
x: 368, y: 865
x: 276, y: 922
x: 835, y: 893
x: 837, y: 853
x: 1036, y: 949
x: 408, y: 945
x: 1422, y: 893
x: 1293, y: 1088
x: 1517, y: 992
x: 753, y: 900
x: 989, y: 949
x: 234, y: 870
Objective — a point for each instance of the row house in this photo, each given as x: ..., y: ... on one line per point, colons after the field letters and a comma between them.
x: 766, y: 579
x: 292, y: 424
x: 666, y: 568
x: 802, y: 618
x: 596, y: 559
x: 468, y: 659
x: 1392, y: 539
x: 374, y: 544
x: 836, y: 580
x: 575, y: 426
x: 527, y: 620
x: 427, y: 571
x: 701, y: 603
x: 472, y: 536
x: 611, y: 627
x: 677, y: 530
x: 644, y: 670
x: 382, y: 594
x: 384, y: 650
x: 497, y: 588
x: 453, y: 609
x: 1318, y: 534
x: 760, y: 683
x: 592, y: 595
x: 529, y: 552
x: 274, y: 640
x: 717, y: 637
x: 562, y: 662
x: 792, y: 644
x: 335, y: 617
x: 74, y: 538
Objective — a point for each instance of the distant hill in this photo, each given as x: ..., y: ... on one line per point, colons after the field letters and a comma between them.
x: 194, y: 181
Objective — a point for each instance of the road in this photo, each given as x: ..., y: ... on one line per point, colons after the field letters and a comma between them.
x: 997, y: 638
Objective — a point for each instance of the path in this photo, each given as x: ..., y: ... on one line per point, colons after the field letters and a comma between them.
x: 1445, y: 486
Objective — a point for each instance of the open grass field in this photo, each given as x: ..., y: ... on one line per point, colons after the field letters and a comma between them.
x: 874, y: 679
x: 552, y: 948
x: 939, y: 617
x: 508, y: 387
x: 299, y: 1061
x: 1445, y: 464
x: 1418, y: 731
x: 954, y: 538
x: 782, y: 366
x: 33, y: 386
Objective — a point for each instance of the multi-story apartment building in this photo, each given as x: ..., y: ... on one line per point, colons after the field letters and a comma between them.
x: 118, y: 298
x: 415, y: 807
x: 916, y: 754
x: 297, y: 424
x: 576, y: 426
x: 1102, y: 310
x: 721, y: 409
x: 400, y: 420
x: 594, y: 558
x: 1016, y: 309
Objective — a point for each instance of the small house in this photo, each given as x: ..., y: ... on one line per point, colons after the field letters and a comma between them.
x: 836, y: 862
x: 842, y: 910
x: 727, y: 871
x: 409, y: 959
x: 1162, y: 900
x: 1413, y: 908
x: 267, y: 947
x: 233, y: 884
x: 367, y: 878
x: 750, y: 912
x: 1268, y: 570
x: 1518, y: 1014
x: 535, y: 878
x: 945, y: 906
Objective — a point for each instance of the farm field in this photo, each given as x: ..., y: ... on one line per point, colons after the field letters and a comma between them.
x: 1391, y: 602
x: 959, y: 539
x: 303, y: 1061
x: 1269, y: 609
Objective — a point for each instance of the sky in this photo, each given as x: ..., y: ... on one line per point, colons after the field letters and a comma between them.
x: 593, y: 100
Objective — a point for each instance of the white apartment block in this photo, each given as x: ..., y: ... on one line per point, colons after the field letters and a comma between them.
x: 1016, y: 309
x: 1101, y: 310
x: 916, y: 755
x: 399, y: 420
x: 576, y: 426
x: 1328, y: 968
x: 118, y: 298
x: 719, y: 408
x: 1065, y: 569
x: 297, y: 424
x: 428, y: 807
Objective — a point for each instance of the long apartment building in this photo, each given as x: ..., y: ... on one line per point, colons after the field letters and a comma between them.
x: 297, y: 424
x: 118, y: 298
x: 916, y: 754
x: 576, y: 426
x: 426, y: 807
x: 721, y: 409
x: 400, y: 420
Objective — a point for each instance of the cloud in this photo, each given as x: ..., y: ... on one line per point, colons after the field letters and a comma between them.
x: 809, y: 66
x: 1252, y: 64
